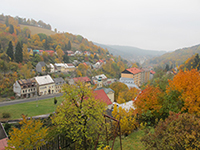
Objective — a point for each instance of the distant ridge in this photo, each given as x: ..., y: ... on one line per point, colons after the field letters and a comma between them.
x: 176, y: 57
x: 131, y: 53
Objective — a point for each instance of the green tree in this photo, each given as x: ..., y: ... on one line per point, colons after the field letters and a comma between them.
x: 11, y: 29
x: 80, y: 116
x: 178, y: 132
x: 18, y: 53
x: 69, y: 45
x: 31, y: 135
x: 6, y: 21
x: 9, y: 51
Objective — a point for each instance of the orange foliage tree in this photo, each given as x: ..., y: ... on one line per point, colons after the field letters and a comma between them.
x: 188, y: 83
x: 148, y: 100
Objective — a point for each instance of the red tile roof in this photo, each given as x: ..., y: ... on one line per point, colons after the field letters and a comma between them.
x: 3, y: 143
x: 82, y: 79
x: 153, y: 72
x: 134, y: 70
x: 102, y: 96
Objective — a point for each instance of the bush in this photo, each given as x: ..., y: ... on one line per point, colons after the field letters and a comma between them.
x: 12, y: 97
x: 178, y: 131
x: 6, y: 115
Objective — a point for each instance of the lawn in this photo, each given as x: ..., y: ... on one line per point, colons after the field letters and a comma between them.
x: 131, y: 142
x: 30, y: 108
x: 36, y: 30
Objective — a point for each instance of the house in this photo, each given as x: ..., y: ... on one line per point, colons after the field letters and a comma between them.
x: 41, y: 67
x: 3, y: 138
x: 70, y: 53
x: 87, y: 53
x: 86, y: 80
x: 65, y: 67
x: 69, y: 67
x: 36, y: 51
x: 127, y: 105
x: 133, y: 73
x: 59, y: 82
x: 52, y: 68
x: 103, y: 97
x: 45, y: 85
x: 25, y: 88
x: 152, y: 74
x: 50, y: 52
x: 129, y: 82
x: 109, y: 92
x: 60, y: 67
x: 102, y: 76
x: 145, y: 75
x: 78, y: 53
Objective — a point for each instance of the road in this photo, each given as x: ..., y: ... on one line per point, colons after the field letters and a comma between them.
x: 29, y: 99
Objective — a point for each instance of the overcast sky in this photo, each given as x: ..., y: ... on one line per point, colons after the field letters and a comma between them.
x: 147, y: 24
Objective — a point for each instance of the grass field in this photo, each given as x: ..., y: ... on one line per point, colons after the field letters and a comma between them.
x: 30, y: 108
x: 131, y: 142
x: 36, y: 30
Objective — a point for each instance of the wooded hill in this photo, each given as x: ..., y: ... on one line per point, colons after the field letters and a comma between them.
x: 176, y: 57
x: 131, y: 53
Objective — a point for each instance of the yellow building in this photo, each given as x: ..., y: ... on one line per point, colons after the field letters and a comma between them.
x: 134, y: 73
x: 45, y: 85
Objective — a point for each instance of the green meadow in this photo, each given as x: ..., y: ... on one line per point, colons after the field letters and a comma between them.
x: 30, y: 108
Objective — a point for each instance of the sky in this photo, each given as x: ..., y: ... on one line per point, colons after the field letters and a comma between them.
x: 147, y: 24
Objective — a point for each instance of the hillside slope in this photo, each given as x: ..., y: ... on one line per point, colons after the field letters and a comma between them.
x: 132, y: 53
x: 176, y: 57
x: 36, y: 30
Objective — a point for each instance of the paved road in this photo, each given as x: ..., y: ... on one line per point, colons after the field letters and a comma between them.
x: 28, y: 99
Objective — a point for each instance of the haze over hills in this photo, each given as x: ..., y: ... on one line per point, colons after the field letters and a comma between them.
x: 176, y: 57
x: 131, y: 53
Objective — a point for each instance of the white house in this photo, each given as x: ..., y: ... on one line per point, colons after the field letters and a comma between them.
x: 45, y: 85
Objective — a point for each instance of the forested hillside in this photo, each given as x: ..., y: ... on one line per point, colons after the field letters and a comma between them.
x: 132, y: 53
x: 177, y: 57
x: 18, y: 61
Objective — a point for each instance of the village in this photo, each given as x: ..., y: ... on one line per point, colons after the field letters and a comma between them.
x: 45, y: 84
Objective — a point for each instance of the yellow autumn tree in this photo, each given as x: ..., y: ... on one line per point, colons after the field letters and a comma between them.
x: 31, y: 135
x: 127, y: 119
x: 25, y: 53
x: 60, y: 53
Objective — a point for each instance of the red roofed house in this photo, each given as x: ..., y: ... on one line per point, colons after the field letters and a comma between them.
x: 152, y: 73
x: 86, y: 80
x: 50, y: 52
x: 134, y: 73
x: 3, y: 138
x: 102, y: 96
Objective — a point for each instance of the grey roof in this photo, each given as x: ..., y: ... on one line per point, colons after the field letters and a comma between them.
x: 129, y: 82
x: 2, y: 132
x: 106, y: 90
x: 42, y: 63
x: 59, y: 81
x: 41, y: 80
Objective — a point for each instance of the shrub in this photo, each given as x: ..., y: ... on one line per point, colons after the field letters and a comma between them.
x: 6, y: 115
x: 178, y: 131
x: 12, y: 97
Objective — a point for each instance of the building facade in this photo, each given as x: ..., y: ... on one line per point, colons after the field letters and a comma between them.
x: 25, y: 88
x: 45, y: 85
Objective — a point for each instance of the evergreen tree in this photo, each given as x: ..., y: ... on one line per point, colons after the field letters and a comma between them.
x: 69, y: 45
x: 1, y: 51
x: 6, y: 21
x: 66, y: 58
x: 11, y: 29
x: 10, y: 51
x: 18, y: 53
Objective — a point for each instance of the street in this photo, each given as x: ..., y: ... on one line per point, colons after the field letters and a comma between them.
x: 12, y: 102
